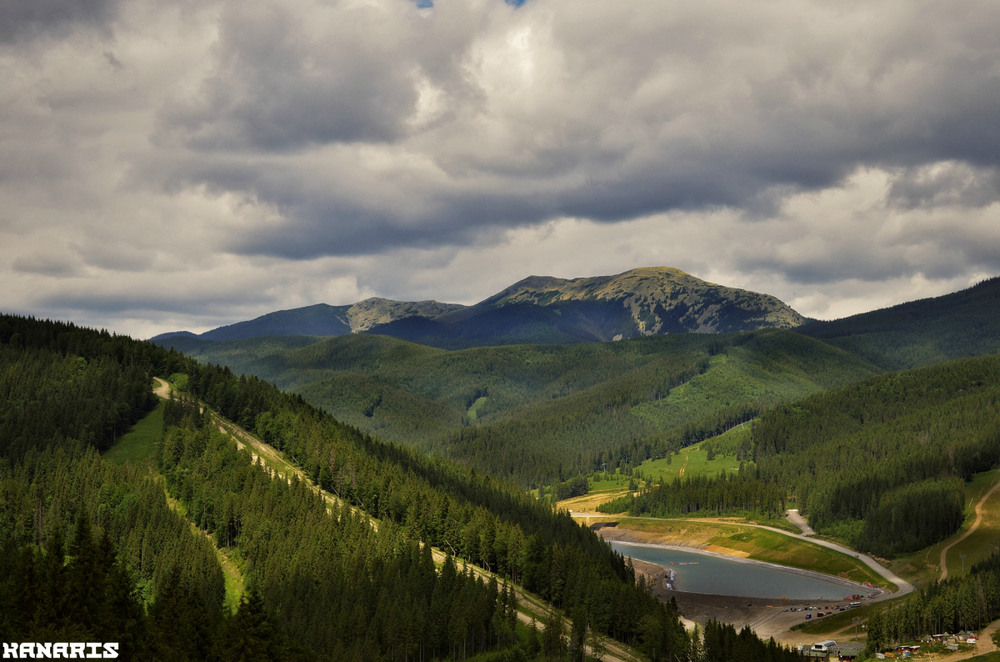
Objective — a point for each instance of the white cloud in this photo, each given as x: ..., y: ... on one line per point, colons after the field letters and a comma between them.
x: 210, y: 161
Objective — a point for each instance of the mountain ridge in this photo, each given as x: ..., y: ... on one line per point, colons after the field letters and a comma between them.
x: 920, y: 332
x: 319, y: 319
x: 640, y: 290
x: 538, y: 309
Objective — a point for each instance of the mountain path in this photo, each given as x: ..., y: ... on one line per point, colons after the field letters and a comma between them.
x: 798, y: 520
x: 971, y: 530
x: 680, y: 473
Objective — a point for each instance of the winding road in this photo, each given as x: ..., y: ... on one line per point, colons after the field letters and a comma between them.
x: 972, y: 529
x: 795, y: 518
x: 904, y: 587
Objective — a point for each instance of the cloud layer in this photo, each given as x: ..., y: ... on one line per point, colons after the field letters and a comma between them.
x: 191, y: 164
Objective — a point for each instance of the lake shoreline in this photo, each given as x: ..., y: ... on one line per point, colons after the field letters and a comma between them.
x: 631, y: 537
x: 768, y: 617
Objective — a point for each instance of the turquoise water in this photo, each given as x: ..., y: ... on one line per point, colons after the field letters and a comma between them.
x: 703, y: 573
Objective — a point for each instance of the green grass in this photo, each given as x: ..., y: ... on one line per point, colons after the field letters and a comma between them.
x: 688, y: 462
x: 985, y: 540
x: 472, y: 413
x: 836, y: 622
x: 234, y: 583
x: 607, y: 482
x: 139, y: 445
x: 231, y: 573
x: 768, y: 369
x: 988, y: 657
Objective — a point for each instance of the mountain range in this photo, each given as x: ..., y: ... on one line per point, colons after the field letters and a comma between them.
x: 539, y: 309
x: 538, y: 411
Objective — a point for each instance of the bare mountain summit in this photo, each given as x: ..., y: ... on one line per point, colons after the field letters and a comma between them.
x: 659, y: 300
x: 640, y: 302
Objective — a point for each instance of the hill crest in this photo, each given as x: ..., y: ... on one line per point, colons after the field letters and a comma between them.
x: 538, y: 309
x: 659, y: 299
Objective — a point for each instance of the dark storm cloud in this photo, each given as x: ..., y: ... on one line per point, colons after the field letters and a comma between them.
x: 44, y: 265
x: 286, y: 80
x: 870, y: 266
x: 737, y: 113
x: 195, y: 303
x: 948, y: 183
x: 22, y: 20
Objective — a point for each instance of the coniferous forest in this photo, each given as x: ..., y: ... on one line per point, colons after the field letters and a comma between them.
x: 881, y: 464
x: 96, y: 551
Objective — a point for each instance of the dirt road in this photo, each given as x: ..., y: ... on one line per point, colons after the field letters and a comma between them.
x: 798, y: 520
x: 972, y: 529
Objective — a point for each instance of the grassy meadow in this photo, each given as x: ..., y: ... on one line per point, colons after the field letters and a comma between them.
x: 689, y: 462
x: 139, y: 445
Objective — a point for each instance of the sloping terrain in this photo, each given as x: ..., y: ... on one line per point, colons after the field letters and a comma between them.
x: 659, y: 300
x: 317, y: 320
x: 920, y: 333
x: 534, y: 412
x: 321, y: 581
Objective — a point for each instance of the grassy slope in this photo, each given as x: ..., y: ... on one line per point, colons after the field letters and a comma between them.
x: 903, y: 420
x: 692, y: 461
x: 761, y: 544
x: 139, y: 446
x: 923, y: 566
x: 769, y: 368
x: 530, y: 606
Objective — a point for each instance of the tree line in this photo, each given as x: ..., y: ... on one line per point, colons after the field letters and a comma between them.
x: 345, y: 589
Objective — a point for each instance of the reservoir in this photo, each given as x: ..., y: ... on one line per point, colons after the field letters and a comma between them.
x: 722, y: 575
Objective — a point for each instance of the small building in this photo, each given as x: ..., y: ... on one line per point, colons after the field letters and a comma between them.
x: 850, y: 650
x: 828, y: 647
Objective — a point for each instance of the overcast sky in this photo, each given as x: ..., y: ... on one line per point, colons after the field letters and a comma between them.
x: 188, y: 164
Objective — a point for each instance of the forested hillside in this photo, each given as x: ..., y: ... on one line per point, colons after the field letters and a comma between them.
x: 72, y: 525
x: 880, y: 463
x: 920, y: 333
x: 321, y: 580
x: 538, y: 414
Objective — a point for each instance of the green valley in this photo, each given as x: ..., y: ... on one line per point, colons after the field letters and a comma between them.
x: 555, y: 410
